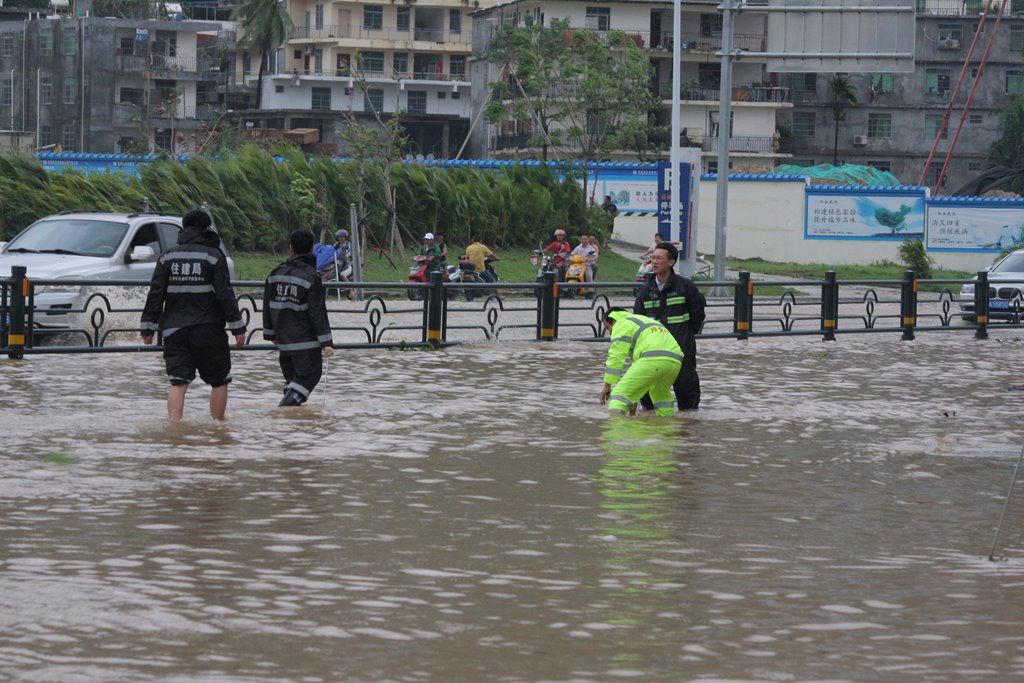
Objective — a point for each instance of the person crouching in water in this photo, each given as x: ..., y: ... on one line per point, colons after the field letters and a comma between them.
x: 656, y: 362
x: 295, y: 319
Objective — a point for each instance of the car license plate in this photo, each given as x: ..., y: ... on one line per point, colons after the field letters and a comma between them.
x: 995, y: 304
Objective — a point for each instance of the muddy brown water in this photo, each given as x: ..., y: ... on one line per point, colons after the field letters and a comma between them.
x: 473, y: 515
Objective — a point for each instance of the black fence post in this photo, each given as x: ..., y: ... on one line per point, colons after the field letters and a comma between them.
x: 743, y: 306
x: 908, y: 305
x: 981, y: 305
x: 829, y: 306
x: 19, y: 295
x: 434, y: 310
x: 548, y: 329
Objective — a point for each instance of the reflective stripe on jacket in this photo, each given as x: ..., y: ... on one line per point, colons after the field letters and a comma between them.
x: 295, y: 307
x: 679, y: 307
x: 637, y: 337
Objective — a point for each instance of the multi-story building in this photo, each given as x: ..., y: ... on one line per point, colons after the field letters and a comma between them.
x: 895, y: 121
x: 106, y: 85
x: 347, y: 60
x: 755, y: 98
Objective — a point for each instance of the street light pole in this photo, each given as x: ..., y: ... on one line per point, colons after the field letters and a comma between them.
x: 724, y: 133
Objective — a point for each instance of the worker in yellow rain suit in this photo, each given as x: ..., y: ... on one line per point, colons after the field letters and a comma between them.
x: 656, y: 362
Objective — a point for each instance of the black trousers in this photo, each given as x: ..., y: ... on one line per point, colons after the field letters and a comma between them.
x: 302, y: 371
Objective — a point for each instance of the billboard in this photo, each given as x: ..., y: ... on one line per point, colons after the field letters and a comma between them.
x: 975, y: 227
x: 860, y: 214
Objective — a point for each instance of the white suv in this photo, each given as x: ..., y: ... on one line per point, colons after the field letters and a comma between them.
x: 87, y: 246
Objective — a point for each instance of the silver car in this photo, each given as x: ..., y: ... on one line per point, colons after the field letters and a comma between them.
x: 1005, y: 290
x: 87, y: 246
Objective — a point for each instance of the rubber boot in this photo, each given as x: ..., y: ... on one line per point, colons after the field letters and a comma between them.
x: 291, y: 398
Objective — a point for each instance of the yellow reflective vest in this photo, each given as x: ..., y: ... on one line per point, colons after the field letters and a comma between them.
x: 637, y: 337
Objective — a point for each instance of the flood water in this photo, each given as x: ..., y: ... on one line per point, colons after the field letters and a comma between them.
x: 473, y: 515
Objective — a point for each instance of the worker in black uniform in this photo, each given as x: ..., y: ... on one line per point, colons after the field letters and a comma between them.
x: 190, y: 301
x: 295, y: 319
x: 675, y: 302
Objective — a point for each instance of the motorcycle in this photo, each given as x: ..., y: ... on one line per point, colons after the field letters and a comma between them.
x: 576, y: 272
x: 469, y: 274
x: 419, y: 273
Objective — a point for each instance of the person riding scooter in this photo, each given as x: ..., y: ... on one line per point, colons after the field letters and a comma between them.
x: 559, y: 249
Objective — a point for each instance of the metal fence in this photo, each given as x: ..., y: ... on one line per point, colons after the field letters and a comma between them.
x: 105, y: 314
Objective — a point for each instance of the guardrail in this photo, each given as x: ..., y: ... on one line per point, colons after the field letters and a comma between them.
x: 105, y: 315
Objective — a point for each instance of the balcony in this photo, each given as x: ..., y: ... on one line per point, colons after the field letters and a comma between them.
x: 126, y: 113
x: 741, y: 93
x: 763, y: 145
x: 377, y: 76
x: 690, y: 42
x: 140, y: 59
x: 333, y: 33
x: 966, y: 8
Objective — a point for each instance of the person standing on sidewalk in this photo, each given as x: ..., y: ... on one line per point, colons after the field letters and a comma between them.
x: 295, y: 319
x: 675, y: 302
x: 190, y: 301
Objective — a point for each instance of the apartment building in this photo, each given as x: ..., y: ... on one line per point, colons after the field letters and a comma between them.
x: 756, y: 99
x: 93, y: 84
x: 346, y: 60
x: 897, y: 117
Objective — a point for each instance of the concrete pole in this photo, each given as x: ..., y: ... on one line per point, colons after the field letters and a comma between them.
x: 684, y: 264
x: 357, y: 257
x: 724, y: 121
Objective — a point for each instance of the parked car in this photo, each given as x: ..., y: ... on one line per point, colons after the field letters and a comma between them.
x: 1005, y: 289
x: 87, y: 246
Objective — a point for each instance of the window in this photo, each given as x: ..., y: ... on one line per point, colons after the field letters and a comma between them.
x: 318, y: 61
x: 67, y: 137
x: 167, y: 43
x: 373, y: 17
x: 950, y: 31
x: 806, y: 82
x: 456, y: 95
x: 1017, y: 37
x: 599, y: 18
x: 937, y: 81
x: 400, y: 61
x: 372, y: 61
x: 441, y: 94
x: 803, y: 124
x: 710, y: 25
x: 974, y: 72
x: 932, y: 123
x: 977, y: 119
x: 881, y: 83
x: 709, y: 75
x: 455, y: 21
x: 45, y: 135
x: 373, y: 100
x: 879, y: 125
x: 6, y: 93
x: 881, y: 165
x: 457, y: 65
x: 246, y: 64
x: 318, y: 18
x: 70, y: 42
x: 45, y: 90
x: 597, y: 123
x: 417, y: 101
x: 1014, y: 82
x: 973, y: 165
x: 402, y: 19
x: 136, y: 96
x: 46, y: 41
x: 931, y: 178
x: 70, y: 89
x: 7, y: 45
x: 321, y: 99
x: 163, y: 139
x: 278, y: 88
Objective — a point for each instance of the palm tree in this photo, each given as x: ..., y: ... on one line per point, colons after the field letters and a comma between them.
x: 844, y: 95
x: 265, y: 24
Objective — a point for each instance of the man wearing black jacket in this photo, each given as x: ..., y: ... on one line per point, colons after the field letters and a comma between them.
x: 295, y: 319
x: 190, y: 301
x: 675, y: 302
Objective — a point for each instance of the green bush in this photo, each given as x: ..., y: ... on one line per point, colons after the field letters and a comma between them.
x: 914, y: 257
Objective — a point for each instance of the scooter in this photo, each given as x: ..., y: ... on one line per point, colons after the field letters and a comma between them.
x: 576, y: 272
x: 469, y: 274
x: 418, y: 273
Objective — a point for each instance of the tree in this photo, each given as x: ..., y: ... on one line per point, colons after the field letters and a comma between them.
x: 844, y: 95
x: 1008, y: 150
x: 577, y: 91
x: 265, y: 25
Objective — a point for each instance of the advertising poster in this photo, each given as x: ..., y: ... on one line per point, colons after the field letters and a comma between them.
x: 981, y: 227
x: 632, y: 190
x: 864, y: 215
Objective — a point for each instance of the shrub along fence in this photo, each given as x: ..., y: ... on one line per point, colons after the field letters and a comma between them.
x: 105, y: 315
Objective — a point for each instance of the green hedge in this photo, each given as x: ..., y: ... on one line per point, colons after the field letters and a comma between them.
x: 250, y: 192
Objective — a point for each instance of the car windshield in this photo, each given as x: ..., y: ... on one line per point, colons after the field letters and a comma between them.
x: 1014, y: 263
x: 85, y: 236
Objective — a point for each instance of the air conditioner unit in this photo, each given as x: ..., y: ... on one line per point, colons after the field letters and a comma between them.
x: 949, y: 44
x: 860, y: 140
